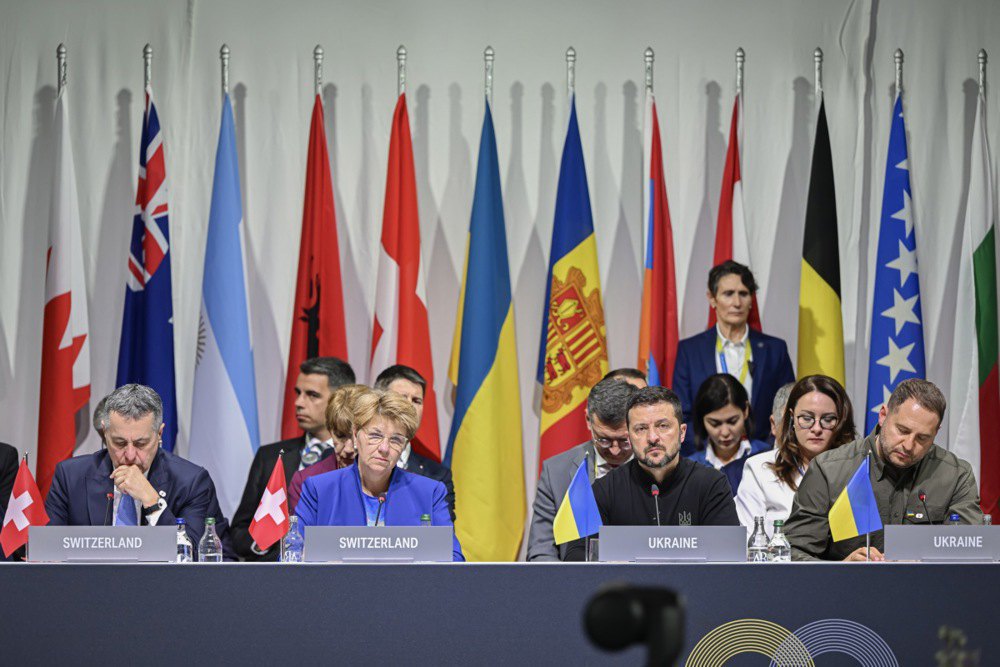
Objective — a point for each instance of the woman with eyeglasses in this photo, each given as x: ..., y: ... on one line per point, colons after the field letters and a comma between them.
x: 373, y: 491
x: 817, y: 417
x: 721, y: 425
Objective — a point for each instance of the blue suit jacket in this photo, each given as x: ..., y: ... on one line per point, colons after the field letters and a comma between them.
x: 334, y: 499
x: 771, y: 368
x: 80, y: 488
x: 734, y: 469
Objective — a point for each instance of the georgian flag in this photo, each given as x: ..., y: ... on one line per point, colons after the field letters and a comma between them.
x: 270, y: 521
x: 24, y: 510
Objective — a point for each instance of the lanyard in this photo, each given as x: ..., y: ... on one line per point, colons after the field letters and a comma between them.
x: 744, y: 369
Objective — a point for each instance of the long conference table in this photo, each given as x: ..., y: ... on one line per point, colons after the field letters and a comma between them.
x: 483, y: 614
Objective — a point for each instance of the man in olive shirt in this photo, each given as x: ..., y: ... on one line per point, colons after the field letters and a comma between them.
x: 689, y: 494
x: 905, y: 464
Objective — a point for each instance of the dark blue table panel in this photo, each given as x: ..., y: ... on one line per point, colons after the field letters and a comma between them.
x: 463, y: 613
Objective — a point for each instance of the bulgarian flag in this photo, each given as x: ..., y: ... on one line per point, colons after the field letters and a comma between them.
x: 975, y: 393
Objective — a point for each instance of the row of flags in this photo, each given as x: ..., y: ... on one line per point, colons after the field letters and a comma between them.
x: 484, y: 444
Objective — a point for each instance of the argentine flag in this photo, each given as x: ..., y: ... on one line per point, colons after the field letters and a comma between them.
x: 224, y: 431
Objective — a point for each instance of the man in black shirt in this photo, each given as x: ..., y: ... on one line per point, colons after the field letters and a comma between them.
x: 689, y: 494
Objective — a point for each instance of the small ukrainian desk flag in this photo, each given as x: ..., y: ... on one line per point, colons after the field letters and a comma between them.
x: 578, y: 515
x: 855, y: 512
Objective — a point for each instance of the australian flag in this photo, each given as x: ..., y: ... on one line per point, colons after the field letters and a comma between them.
x: 146, y: 354
x: 897, y: 342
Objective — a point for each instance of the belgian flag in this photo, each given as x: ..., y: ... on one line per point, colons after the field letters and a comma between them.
x: 821, y: 327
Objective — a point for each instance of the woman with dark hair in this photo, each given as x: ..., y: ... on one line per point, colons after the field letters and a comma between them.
x: 817, y: 417
x: 722, y: 426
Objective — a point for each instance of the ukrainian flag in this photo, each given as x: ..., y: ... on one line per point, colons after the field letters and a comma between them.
x: 578, y: 515
x: 855, y: 512
x: 484, y: 447
x: 573, y: 354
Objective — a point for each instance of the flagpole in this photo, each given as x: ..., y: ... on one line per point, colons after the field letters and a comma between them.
x: 982, y: 72
x: 741, y: 57
x: 224, y: 57
x: 648, y: 56
x: 898, y: 58
x: 570, y: 72
x: 401, y: 70
x: 818, y: 60
x: 488, y: 57
x: 61, y: 66
x: 318, y: 68
x: 868, y: 534
x: 147, y: 69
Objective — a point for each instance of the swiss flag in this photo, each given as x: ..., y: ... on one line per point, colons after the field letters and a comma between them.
x: 270, y: 522
x: 24, y: 509
x: 318, y: 314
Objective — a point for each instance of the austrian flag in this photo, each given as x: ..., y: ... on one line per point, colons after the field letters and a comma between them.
x: 270, y: 521
x: 24, y: 509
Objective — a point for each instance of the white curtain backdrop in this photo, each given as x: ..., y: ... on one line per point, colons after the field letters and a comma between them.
x: 271, y: 77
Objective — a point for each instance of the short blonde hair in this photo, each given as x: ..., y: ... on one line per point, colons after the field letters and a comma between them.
x: 389, y: 405
x: 340, y: 409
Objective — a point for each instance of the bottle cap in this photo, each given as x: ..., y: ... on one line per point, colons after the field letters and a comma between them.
x: 181, y: 522
x: 425, y: 517
x: 210, y: 521
x: 778, y: 523
x: 954, y: 517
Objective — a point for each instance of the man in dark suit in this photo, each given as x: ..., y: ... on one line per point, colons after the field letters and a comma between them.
x: 318, y: 377
x: 410, y: 384
x: 607, y: 449
x: 760, y: 362
x: 133, y: 481
x: 8, y: 473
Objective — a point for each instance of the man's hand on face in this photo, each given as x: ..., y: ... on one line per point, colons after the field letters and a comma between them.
x: 131, y: 480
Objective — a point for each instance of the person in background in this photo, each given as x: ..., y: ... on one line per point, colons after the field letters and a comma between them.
x: 375, y: 491
x: 410, y: 384
x: 760, y: 362
x: 607, y: 449
x: 722, y: 424
x: 340, y: 421
x: 633, y: 376
x: 778, y: 410
x: 318, y: 378
x: 8, y: 473
x: 914, y: 480
x: 815, y: 417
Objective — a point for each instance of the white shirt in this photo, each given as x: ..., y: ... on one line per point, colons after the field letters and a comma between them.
x: 404, y: 457
x: 601, y: 466
x: 734, y: 354
x: 761, y: 493
x: 151, y: 519
x: 717, y: 463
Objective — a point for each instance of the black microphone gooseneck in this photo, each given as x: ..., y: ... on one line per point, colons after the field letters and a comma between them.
x: 655, y: 490
x: 381, y: 502
x: 107, y: 512
x: 923, y: 501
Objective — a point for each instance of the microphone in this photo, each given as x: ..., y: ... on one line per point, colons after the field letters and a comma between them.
x: 923, y: 501
x: 107, y: 512
x: 381, y: 502
x: 655, y: 490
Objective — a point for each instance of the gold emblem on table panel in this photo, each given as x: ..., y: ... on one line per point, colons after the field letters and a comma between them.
x: 575, y: 346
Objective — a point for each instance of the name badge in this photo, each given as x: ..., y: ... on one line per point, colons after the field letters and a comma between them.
x: 102, y: 544
x: 666, y: 544
x: 378, y: 544
x: 942, y: 543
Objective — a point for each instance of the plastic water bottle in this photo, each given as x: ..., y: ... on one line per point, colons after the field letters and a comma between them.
x: 987, y: 519
x: 292, y: 544
x: 954, y: 520
x: 757, y: 545
x: 185, y: 550
x: 210, y: 546
x: 779, y: 550
x: 425, y: 519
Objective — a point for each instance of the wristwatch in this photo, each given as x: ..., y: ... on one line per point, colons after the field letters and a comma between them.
x: 158, y: 506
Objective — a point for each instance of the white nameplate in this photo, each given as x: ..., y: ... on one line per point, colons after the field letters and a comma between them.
x: 102, y: 544
x: 942, y: 543
x: 382, y: 544
x: 653, y: 544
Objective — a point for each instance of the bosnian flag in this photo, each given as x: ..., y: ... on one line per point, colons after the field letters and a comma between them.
x: 658, y: 320
x: 65, y: 380
x: 146, y: 354
x: 25, y: 509
x: 401, y: 334
x: 224, y: 430
x: 731, y: 239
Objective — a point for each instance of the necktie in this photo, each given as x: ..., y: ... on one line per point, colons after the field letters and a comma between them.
x: 126, y: 511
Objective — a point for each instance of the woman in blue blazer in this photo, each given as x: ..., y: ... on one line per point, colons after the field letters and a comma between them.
x: 373, y: 491
x: 722, y: 426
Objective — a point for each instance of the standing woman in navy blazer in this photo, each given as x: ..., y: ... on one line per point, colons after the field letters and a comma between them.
x: 373, y: 491
x: 760, y: 362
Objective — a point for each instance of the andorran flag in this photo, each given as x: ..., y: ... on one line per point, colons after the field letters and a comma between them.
x: 821, y: 328
x: 573, y: 354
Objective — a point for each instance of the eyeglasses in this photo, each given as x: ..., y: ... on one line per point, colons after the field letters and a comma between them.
x: 375, y: 438
x: 827, y: 422
x: 607, y: 443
